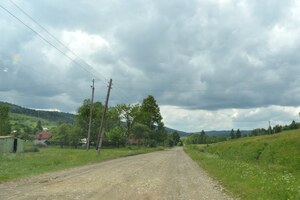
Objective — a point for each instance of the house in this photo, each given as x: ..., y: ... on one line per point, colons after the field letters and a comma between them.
x: 42, y: 137
x: 9, y: 144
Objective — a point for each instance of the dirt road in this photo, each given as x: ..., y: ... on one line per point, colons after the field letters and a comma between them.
x: 169, y: 174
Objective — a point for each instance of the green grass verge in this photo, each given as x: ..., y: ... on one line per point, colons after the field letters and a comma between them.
x: 53, y: 158
x: 264, y: 167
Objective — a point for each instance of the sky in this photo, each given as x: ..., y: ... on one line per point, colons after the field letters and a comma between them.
x: 210, y: 64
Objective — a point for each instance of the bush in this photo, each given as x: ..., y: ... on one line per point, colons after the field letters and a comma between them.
x: 152, y: 143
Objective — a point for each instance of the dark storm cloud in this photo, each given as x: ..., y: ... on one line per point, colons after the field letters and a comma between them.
x: 207, y: 55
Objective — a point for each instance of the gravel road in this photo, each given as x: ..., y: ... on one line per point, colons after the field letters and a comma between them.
x: 168, y: 174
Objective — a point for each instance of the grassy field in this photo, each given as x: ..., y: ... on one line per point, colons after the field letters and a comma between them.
x: 53, y: 158
x: 263, y: 167
x: 29, y: 120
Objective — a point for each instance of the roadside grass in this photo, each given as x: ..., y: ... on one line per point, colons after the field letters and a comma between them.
x: 49, y: 159
x: 264, y: 167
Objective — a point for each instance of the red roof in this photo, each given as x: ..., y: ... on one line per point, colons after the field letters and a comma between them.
x: 44, y: 135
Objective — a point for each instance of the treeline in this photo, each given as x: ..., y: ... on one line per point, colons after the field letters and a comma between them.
x: 126, y: 124
x: 203, y: 138
x: 47, y: 115
x: 273, y: 130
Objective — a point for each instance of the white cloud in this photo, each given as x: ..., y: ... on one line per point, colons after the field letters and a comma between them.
x: 210, y: 64
x: 226, y: 119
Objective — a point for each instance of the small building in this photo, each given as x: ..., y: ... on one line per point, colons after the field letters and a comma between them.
x: 42, y: 137
x: 10, y: 144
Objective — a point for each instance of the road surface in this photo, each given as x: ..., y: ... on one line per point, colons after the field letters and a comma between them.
x: 168, y: 174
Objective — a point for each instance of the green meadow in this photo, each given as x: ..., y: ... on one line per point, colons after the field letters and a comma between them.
x: 49, y: 159
x: 30, y: 121
x: 262, y: 167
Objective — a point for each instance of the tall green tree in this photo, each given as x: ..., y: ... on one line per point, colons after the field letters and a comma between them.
x: 141, y: 133
x: 150, y: 114
x: 175, y: 137
x: 82, y: 119
x: 238, y: 134
x: 129, y: 115
x: 62, y: 135
x: 293, y: 125
x: 5, y: 126
x: 113, y: 117
x: 202, y: 137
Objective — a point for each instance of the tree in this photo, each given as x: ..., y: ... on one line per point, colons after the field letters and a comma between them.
x: 61, y: 134
x: 293, y: 125
x: 277, y: 128
x: 193, y: 138
x: 5, y: 126
x: 82, y: 119
x: 113, y: 117
x: 170, y: 141
x: 74, y: 135
x: 129, y: 114
x: 232, y: 135
x: 141, y: 132
x: 202, y: 137
x: 150, y: 114
x: 117, y: 136
x: 238, y: 134
x: 175, y: 137
x: 39, y: 126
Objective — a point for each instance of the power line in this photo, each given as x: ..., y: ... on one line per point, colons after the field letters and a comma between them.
x: 45, y: 40
x: 57, y: 40
x: 62, y: 44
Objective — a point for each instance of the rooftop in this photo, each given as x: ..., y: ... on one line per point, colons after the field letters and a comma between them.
x: 7, y: 136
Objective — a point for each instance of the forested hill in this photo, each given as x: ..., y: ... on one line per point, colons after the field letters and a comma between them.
x: 53, y: 116
x: 181, y: 133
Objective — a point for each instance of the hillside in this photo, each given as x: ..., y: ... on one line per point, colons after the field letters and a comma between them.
x: 29, y: 117
x: 261, y: 167
x: 280, y: 150
x: 52, y: 116
x: 21, y: 121
x: 181, y: 133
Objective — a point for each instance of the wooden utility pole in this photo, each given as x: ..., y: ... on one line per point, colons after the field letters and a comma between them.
x: 103, y: 118
x: 90, y: 119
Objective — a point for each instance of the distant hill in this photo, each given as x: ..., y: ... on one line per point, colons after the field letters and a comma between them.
x: 181, y: 133
x: 210, y: 133
x: 52, y: 116
x: 220, y: 133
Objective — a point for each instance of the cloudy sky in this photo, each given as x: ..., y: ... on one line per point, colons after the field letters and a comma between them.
x: 210, y: 64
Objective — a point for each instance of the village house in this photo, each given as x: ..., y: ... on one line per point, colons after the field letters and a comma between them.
x: 42, y: 137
